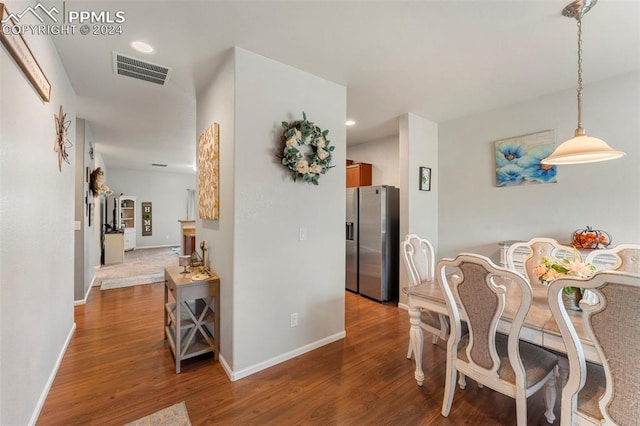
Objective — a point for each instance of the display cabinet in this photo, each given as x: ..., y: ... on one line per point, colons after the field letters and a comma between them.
x: 126, y: 215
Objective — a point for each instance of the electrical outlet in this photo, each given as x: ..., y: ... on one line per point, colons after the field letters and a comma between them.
x: 303, y: 233
x: 294, y: 319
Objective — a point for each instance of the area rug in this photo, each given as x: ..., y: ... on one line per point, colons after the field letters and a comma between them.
x: 176, y: 415
x: 131, y: 281
x: 137, y: 263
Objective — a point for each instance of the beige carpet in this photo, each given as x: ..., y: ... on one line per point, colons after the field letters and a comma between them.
x: 176, y: 415
x: 131, y: 281
x: 138, y: 263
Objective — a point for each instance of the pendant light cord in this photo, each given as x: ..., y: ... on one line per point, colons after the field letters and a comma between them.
x: 579, y: 130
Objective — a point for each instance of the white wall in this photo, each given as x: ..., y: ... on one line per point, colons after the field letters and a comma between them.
x: 475, y: 215
x: 274, y: 274
x: 383, y: 155
x: 37, y: 236
x: 166, y: 191
x: 418, y: 209
x: 216, y: 104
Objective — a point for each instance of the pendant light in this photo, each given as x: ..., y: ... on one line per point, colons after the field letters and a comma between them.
x: 581, y: 148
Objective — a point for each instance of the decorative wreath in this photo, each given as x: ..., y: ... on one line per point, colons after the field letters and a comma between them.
x: 316, y: 160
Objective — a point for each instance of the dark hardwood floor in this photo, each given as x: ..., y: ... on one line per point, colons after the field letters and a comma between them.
x: 118, y: 369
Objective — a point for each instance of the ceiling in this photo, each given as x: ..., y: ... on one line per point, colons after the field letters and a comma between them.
x: 438, y: 59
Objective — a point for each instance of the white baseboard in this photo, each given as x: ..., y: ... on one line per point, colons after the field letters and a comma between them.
x: 237, y: 375
x: 403, y: 306
x: 225, y: 366
x: 86, y: 295
x: 52, y: 376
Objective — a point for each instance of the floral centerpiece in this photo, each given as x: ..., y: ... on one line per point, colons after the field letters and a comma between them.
x: 306, y: 151
x: 551, y: 269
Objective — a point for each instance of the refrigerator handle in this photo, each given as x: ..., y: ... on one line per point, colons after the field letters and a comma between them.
x: 350, y: 231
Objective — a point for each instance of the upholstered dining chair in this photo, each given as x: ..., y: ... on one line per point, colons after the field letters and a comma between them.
x: 539, y: 248
x: 627, y: 257
x: 607, y: 394
x: 419, y: 261
x: 503, y: 363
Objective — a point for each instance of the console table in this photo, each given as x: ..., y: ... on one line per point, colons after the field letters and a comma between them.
x: 191, y: 315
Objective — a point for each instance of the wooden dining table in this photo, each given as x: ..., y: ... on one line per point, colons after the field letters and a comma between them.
x: 539, y: 326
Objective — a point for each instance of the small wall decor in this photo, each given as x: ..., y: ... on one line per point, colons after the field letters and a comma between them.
x: 96, y: 180
x: 19, y: 50
x: 425, y: 179
x: 96, y: 183
x: 147, y: 219
x: 518, y: 159
x: 305, y: 135
x: 208, y: 146
x: 61, y: 142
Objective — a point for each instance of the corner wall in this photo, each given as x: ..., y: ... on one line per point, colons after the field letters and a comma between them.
x: 273, y: 274
x: 37, y: 236
x: 216, y: 103
x: 418, y: 209
x: 85, y: 265
x: 475, y: 215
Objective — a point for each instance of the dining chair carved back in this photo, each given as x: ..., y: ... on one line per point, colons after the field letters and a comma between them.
x: 627, y: 257
x: 503, y: 363
x: 607, y: 394
x: 418, y: 256
x: 539, y: 248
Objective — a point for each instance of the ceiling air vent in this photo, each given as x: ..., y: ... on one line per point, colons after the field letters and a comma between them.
x: 137, y: 68
x: 158, y: 165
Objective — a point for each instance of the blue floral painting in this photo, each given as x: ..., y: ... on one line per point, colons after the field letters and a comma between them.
x: 518, y: 159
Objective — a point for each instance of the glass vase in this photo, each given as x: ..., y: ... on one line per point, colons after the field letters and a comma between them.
x: 571, y: 300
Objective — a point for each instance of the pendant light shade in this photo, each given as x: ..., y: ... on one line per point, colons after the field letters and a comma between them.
x: 581, y: 148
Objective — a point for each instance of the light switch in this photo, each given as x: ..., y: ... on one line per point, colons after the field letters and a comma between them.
x: 77, y: 225
x: 303, y: 233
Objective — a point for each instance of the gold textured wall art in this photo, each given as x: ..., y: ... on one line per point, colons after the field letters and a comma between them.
x: 208, y: 173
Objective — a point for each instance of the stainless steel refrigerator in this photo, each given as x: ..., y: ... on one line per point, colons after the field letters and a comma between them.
x: 372, y: 241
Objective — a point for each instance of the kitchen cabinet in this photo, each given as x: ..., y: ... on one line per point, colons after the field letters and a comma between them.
x: 358, y: 175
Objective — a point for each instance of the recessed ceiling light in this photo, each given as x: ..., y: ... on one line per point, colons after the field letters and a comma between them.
x: 350, y: 123
x: 141, y: 46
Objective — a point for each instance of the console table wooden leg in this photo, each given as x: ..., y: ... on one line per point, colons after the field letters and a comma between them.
x: 177, y: 355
